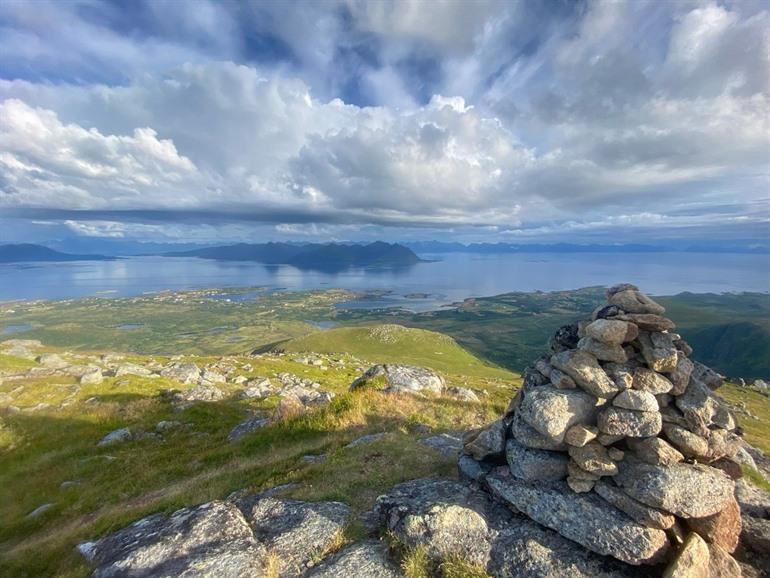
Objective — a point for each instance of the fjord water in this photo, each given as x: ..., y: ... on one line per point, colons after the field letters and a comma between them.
x: 447, y: 278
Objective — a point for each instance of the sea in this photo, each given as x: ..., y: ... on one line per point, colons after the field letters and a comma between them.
x: 439, y: 281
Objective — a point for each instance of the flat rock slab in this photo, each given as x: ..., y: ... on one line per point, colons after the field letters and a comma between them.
x: 365, y: 560
x: 445, y: 444
x: 212, y: 539
x: 294, y: 532
x: 685, y: 490
x: 584, y: 518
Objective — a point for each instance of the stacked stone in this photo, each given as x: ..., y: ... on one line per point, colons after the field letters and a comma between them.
x: 618, y: 423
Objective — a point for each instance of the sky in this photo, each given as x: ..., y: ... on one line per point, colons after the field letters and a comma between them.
x: 537, y: 121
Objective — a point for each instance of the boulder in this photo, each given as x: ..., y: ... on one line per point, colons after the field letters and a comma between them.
x: 561, y: 380
x: 118, y: 436
x: 641, y: 513
x: 552, y: 411
x: 655, y: 451
x: 633, y: 301
x: 593, y: 458
x: 246, y: 427
x: 527, y: 435
x: 755, y: 535
x: 445, y: 444
x: 52, y: 361
x: 612, y: 331
x: 92, y: 377
x: 685, y: 490
x: 443, y: 517
x: 637, y: 400
x: 621, y: 373
x: 629, y: 423
x: 658, y: 350
x: 531, y: 464
x: 721, y: 564
x: 363, y: 560
x: 692, y: 560
x: 680, y: 376
x: 208, y: 540
x: 402, y: 379
x: 603, y: 351
x: 132, y: 369
x: 185, y: 373
x: 486, y: 441
x: 579, y: 435
x: 583, y: 368
x: 722, y: 528
x: 294, y: 532
x: 708, y: 376
x: 646, y: 321
x: 584, y: 518
x: 650, y: 381
x: 199, y: 393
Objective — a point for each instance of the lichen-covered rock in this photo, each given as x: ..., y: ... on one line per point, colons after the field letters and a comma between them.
x: 294, y: 532
x: 364, y: 560
x: 486, y: 441
x: 651, y: 381
x: 603, y: 351
x: 583, y: 368
x: 208, y: 540
x: 612, y: 331
x: 637, y: 400
x: 655, y: 451
x: 685, y: 490
x: 641, y: 513
x: 658, y: 350
x: 443, y: 517
x: 722, y: 528
x: 584, y: 518
x: 594, y: 458
x: 526, y: 435
x: 182, y: 372
x: 402, y: 379
x: 692, y: 560
x: 552, y: 411
x: 445, y: 444
x: 531, y: 464
x: 647, y: 321
x: 633, y: 301
x: 629, y: 423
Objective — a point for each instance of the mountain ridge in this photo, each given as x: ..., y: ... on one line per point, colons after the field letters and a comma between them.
x: 29, y: 252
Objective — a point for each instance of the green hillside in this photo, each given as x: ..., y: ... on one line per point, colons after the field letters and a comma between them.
x: 391, y: 343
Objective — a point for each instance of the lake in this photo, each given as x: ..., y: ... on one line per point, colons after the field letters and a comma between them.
x: 451, y: 277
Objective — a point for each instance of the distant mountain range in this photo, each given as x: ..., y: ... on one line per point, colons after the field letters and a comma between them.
x: 311, y: 256
x: 452, y: 247
x: 38, y: 253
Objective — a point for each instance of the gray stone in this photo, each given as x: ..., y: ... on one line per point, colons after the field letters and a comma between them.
x: 92, y: 377
x: 561, y: 380
x: 367, y: 439
x: 132, y: 369
x: 721, y: 564
x: 463, y: 394
x: 532, y: 465
x: 199, y: 393
x: 444, y: 518
x: 685, y: 490
x: 690, y: 444
x: 185, y: 373
x: 691, y: 561
x: 647, y: 321
x: 39, y: 511
x: 594, y: 458
x: 470, y: 470
x: 651, y: 381
x: 701, y: 409
x: 246, y: 427
x: 638, y: 400
x: 363, y: 560
x: 584, y: 518
x: 579, y: 435
x: 633, y: 301
x: 445, y: 444
x: 552, y: 411
x: 52, y: 361
x: 582, y: 367
x: 208, y: 540
x: 655, y: 451
x: 641, y: 513
x: 612, y: 332
x: 680, y: 376
x: 402, y: 379
x: 118, y: 436
x: 658, y: 350
x: 629, y: 423
x: 257, y: 388
x: 603, y: 351
x: 486, y: 441
x: 526, y: 435
x: 621, y: 373
x: 294, y: 532
x: 706, y: 375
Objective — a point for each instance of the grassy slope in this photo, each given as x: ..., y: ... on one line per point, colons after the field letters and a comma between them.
x: 118, y: 484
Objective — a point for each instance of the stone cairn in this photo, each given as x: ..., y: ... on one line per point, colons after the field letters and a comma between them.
x: 617, y: 441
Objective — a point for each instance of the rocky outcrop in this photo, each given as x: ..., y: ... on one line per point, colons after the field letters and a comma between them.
x: 610, y: 440
x: 401, y: 379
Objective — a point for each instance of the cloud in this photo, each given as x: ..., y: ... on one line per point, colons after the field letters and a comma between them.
x: 514, y: 115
